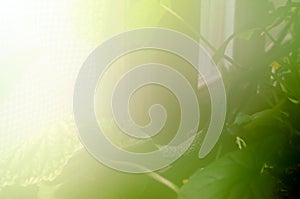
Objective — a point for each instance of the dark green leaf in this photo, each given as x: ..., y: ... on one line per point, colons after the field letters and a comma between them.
x: 240, y: 174
x: 245, y: 35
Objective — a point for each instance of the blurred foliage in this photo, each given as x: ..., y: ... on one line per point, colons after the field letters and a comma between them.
x: 41, y: 158
x: 263, y: 101
x: 257, y: 156
x: 239, y: 174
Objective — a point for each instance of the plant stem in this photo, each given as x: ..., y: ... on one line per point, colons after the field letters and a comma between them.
x: 164, y: 181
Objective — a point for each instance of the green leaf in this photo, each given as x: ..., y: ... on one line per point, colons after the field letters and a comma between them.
x: 240, y: 174
x: 245, y: 35
x: 292, y: 85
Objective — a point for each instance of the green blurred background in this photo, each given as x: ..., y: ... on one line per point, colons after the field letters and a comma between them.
x: 256, y: 46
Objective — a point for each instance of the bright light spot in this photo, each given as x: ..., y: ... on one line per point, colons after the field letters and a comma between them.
x: 39, y: 58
